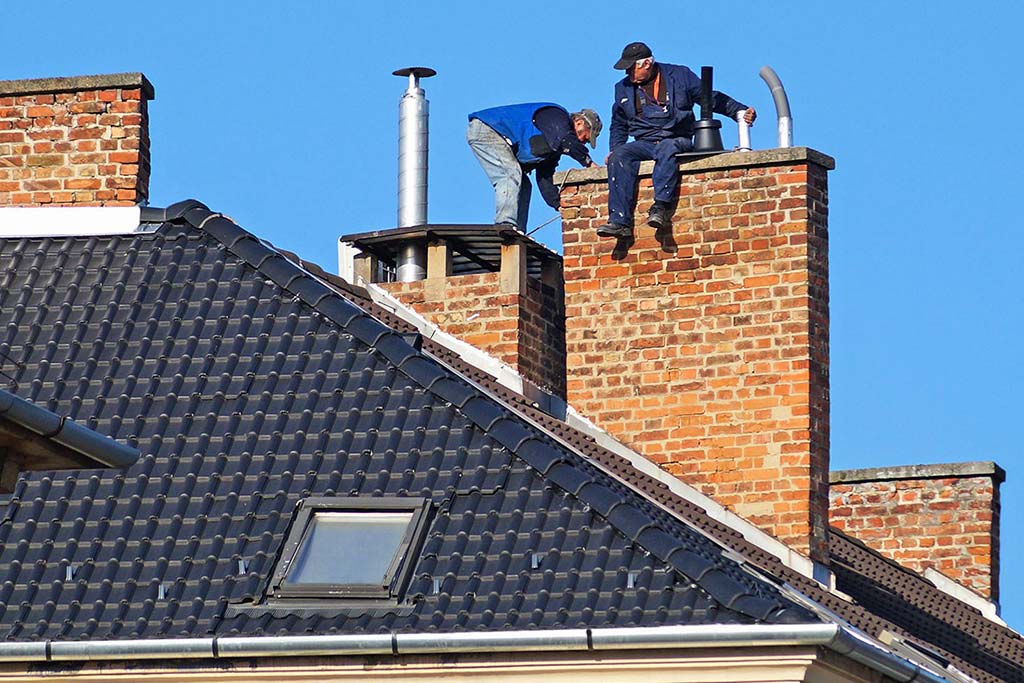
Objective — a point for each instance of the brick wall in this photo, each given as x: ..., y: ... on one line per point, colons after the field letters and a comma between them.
x: 945, y: 517
x: 522, y: 329
x: 708, y: 351
x: 81, y: 140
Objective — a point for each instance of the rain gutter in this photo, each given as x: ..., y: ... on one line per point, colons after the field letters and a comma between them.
x: 66, y: 433
x: 837, y: 638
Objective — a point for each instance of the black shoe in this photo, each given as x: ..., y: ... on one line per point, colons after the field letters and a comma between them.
x: 660, y: 216
x: 615, y: 230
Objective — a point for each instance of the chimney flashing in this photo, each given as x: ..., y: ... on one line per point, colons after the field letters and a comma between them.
x: 988, y: 608
x: 33, y: 86
x: 957, y: 470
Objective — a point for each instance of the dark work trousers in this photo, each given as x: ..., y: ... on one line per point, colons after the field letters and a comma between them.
x: 623, y: 168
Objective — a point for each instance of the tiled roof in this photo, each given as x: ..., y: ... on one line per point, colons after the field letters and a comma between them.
x: 898, y: 595
x: 886, y: 596
x: 249, y: 380
x: 248, y: 384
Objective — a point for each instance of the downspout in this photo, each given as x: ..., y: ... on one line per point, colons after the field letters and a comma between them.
x: 832, y: 636
x: 781, y: 105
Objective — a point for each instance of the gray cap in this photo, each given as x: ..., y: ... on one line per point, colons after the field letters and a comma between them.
x: 593, y: 122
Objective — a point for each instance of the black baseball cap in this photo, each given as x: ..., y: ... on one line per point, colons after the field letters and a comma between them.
x: 631, y: 54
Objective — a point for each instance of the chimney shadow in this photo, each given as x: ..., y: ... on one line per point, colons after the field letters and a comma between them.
x: 622, y: 245
x: 667, y: 240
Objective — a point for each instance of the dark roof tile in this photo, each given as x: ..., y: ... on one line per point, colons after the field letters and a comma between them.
x: 929, y: 614
x: 246, y: 396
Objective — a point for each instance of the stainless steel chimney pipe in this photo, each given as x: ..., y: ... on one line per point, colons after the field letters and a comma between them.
x: 413, y: 130
x: 413, y: 135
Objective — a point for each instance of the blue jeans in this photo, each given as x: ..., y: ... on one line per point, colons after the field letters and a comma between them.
x: 624, y: 166
x: 511, y: 186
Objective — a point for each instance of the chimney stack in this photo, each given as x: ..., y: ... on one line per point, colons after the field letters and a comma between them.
x: 942, y: 517
x: 82, y: 140
x: 707, y: 350
x: 489, y: 285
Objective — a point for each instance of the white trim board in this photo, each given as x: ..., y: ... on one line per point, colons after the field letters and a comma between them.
x: 68, y: 221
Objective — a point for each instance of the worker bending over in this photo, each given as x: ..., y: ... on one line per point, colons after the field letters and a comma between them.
x: 513, y: 140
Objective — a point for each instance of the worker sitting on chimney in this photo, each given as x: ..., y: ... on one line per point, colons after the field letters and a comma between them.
x: 654, y: 104
x: 513, y: 140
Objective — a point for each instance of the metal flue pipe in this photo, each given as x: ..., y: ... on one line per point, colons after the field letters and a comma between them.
x: 781, y: 105
x: 413, y: 130
x: 413, y: 135
x: 707, y: 131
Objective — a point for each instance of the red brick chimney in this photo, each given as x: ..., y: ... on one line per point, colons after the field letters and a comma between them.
x: 488, y: 285
x: 707, y: 351
x: 75, y: 141
x: 944, y: 517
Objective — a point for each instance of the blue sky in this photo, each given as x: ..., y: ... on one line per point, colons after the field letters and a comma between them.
x: 284, y: 116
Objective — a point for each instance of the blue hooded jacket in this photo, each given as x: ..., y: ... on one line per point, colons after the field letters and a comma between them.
x: 539, y: 133
x: 515, y: 123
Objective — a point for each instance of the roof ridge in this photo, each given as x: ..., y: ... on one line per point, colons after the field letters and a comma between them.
x: 925, y: 582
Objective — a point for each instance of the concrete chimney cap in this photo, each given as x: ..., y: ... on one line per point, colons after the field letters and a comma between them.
x: 31, y: 86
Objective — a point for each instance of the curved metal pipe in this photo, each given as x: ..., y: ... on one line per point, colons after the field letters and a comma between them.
x: 769, y: 76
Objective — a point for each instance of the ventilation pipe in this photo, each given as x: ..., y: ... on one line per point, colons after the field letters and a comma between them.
x: 707, y: 131
x: 781, y: 106
x: 413, y: 133
x: 744, y: 131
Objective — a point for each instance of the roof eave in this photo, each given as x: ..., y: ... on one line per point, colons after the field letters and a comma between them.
x: 837, y: 638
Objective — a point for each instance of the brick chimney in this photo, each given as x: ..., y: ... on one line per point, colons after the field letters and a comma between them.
x: 707, y: 350
x: 943, y: 517
x: 488, y: 285
x: 75, y: 141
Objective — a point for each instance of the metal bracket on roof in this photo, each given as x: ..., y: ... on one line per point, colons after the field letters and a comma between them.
x: 176, y: 211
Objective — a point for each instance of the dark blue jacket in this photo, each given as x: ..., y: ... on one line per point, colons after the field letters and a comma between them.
x: 540, y: 133
x: 675, y: 119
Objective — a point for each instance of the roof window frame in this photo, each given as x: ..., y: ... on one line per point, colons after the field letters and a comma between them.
x: 396, y: 577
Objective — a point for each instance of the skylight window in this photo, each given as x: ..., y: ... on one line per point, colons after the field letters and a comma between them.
x: 351, y: 548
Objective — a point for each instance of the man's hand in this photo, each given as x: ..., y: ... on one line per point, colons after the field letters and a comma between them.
x: 607, y: 157
x: 749, y: 116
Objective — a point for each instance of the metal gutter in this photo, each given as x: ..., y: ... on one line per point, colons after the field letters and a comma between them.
x: 66, y: 433
x: 837, y: 638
